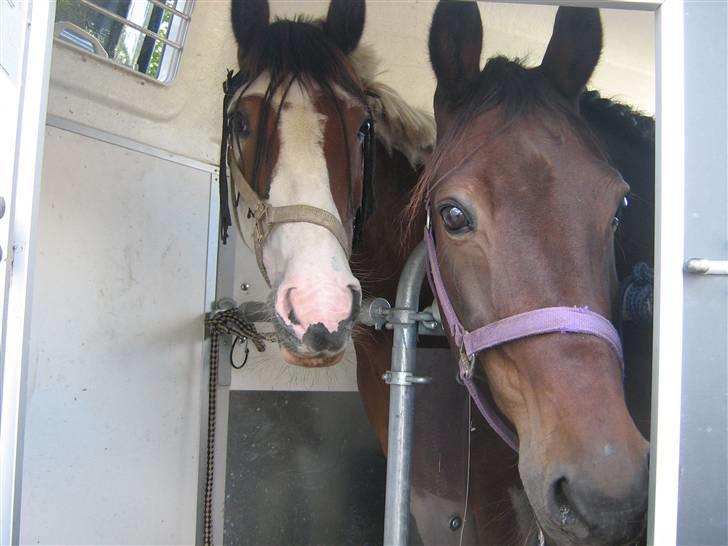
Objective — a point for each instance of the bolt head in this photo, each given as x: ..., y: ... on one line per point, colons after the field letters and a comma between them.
x: 455, y: 523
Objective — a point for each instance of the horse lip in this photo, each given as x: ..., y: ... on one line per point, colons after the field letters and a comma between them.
x: 320, y: 360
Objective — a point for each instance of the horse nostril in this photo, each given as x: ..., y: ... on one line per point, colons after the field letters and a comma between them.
x: 562, y: 502
x: 319, y: 338
x: 355, y: 303
x: 581, y: 508
x: 292, y: 313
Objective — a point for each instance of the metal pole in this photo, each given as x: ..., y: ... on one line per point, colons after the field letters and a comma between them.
x: 401, y: 401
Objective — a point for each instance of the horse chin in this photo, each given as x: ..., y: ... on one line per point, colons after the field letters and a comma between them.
x: 311, y: 361
x: 562, y: 524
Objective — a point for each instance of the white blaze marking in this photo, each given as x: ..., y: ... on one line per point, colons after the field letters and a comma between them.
x: 296, y: 252
x: 301, y: 177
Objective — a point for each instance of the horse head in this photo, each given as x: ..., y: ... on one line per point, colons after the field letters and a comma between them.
x: 523, y: 204
x: 299, y: 124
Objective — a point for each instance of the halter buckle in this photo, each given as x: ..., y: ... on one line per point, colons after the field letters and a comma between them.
x: 467, y: 362
x: 260, y: 214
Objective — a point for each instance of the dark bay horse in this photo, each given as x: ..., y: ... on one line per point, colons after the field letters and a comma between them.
x: 301, y: 117
x: 524, y: 190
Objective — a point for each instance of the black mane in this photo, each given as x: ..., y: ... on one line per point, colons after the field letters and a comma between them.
x: 609, y: 115
x: 628, y: 137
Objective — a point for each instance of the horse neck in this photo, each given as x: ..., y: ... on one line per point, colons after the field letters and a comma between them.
x: 387, y: 240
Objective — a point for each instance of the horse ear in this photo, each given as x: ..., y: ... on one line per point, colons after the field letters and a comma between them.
x: 345, y: 23
x: 249, y: 19
x: 574, y: 49
x: 456, y: 40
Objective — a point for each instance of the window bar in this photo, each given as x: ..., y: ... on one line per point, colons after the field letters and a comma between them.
x: 177, y: 12
x: 124, y: 21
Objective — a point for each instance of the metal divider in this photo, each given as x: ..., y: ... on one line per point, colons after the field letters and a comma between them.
x: 406, y: 322
x: 401, y: 379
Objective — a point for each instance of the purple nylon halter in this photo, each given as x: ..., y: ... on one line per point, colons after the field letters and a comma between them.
x: 548, y: 320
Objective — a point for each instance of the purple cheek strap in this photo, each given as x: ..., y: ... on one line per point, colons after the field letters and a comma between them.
x: 548, y: 320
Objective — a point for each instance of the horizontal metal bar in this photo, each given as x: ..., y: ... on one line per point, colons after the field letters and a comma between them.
x: 701, y: 266
x: 125, y: 21
x: 374, y: 313
x: 133, y: 145
x: 177, y: 12
x: 638, y: 5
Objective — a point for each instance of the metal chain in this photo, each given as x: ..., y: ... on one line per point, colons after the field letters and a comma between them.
x: 233, y: 323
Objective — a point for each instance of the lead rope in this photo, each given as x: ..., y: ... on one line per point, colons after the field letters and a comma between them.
x: 541, y: 540
x: 467, y: 469
x: 233, y: 323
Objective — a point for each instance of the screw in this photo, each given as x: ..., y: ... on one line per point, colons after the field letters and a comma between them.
x: 245, y: 287
x: 455, y: 523
x: 565, y: 511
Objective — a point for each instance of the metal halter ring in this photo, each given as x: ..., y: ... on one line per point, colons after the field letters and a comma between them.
x: 468, y: 362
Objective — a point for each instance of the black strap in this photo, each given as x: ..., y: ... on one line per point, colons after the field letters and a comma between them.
x: 368, y: 196
x: 225, y: 218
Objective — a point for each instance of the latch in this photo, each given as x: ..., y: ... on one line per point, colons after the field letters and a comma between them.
x: 701, y: 266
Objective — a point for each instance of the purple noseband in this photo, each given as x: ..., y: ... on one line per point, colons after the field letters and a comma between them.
x: 549, y: 320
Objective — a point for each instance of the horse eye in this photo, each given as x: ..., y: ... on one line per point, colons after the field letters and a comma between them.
x: 364, y: 129
x: 454, y: 218
x: 241, y: 125
x: 618, y: 215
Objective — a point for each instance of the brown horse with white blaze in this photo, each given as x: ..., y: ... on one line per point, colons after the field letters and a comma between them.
x: 522, y: 199
x: 307, y: 164
x: 298, y: 118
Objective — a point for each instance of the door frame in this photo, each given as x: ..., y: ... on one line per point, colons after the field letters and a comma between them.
x: 27, y: 160
x: 669, y: 259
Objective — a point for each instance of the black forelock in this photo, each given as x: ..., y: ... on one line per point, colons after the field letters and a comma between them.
x: 300, y: 48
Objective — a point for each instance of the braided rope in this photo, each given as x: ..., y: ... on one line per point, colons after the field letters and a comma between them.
x: 637, y: 294
x: 229, y: 322
x: 211, y: 416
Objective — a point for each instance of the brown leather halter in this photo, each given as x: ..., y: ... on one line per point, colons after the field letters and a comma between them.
x: 265, y: 216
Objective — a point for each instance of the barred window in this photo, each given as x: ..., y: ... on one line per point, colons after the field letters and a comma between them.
x: 144, y: 35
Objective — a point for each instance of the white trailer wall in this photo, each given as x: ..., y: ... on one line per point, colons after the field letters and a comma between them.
x: 115, y: 384
x: 125, y: 268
